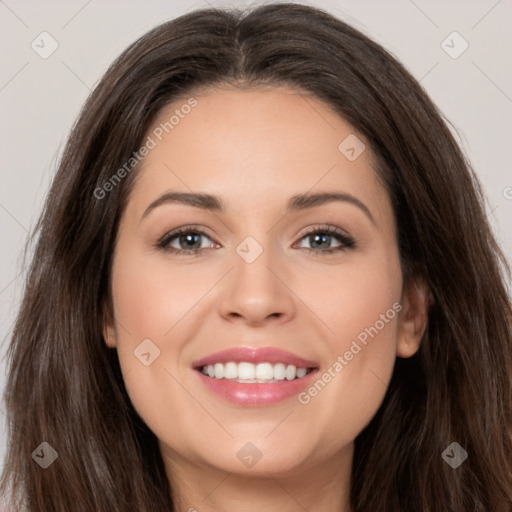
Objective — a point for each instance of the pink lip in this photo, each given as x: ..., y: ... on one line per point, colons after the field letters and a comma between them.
x: 251, y: 395
x: 256, y: 394
x: 255, y: 356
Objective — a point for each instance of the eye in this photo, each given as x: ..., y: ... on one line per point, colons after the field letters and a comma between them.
x: 320, y: 239
x: 188, y: 240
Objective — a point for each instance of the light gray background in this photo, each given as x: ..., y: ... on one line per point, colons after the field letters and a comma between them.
x: 40, y: 98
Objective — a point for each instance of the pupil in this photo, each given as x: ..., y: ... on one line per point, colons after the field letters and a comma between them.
x: 326, y: 239
x: 189, y: 238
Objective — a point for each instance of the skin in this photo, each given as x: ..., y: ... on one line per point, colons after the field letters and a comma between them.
x: 254, y: 149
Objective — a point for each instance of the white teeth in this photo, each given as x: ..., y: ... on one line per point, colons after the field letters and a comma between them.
x: 264, y: 371
x: 280, y: 371
x: 230, y: 371
x: 219, y: 370
x: 248, y: 372
x: 291, y: 372
x: 301, y: 372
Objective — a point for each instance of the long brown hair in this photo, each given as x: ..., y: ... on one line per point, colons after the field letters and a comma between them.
x: 65, y: 386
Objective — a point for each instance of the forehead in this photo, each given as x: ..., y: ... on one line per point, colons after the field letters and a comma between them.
x: 255, y: 147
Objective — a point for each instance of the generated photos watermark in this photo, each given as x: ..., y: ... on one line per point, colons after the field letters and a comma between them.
x: 343, y: 360
x: 150, y: 143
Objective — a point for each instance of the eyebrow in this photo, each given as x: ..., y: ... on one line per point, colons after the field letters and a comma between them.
x: 296, y: 203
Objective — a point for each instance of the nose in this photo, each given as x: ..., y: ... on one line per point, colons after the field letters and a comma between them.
x: 259, y: 292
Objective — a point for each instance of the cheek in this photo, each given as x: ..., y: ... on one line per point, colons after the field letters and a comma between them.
x: 351, y: 387
x: 161, y: 302
x: 361, y: 306
x: 367, y: 329
x: 151, y: 296
x: 354, y: 298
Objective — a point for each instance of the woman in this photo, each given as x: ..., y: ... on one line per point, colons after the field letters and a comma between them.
x: 184, y: 343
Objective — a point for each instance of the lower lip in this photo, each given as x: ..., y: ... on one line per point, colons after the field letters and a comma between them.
x: 251, y: 395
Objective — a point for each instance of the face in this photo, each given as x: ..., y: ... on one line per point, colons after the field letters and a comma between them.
x: 223, y: 303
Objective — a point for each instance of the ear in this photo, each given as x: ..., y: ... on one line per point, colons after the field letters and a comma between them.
x: 108, y: 325
x: 416, y: 299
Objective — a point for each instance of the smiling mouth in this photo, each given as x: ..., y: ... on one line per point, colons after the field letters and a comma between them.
x: 248, y: 373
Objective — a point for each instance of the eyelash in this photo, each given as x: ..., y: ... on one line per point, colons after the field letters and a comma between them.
x: 347, y: 241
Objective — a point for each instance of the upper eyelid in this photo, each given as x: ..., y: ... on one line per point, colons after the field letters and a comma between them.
x: 203, y: 230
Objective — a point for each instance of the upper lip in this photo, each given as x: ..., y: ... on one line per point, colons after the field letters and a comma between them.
x: 255, y: 356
